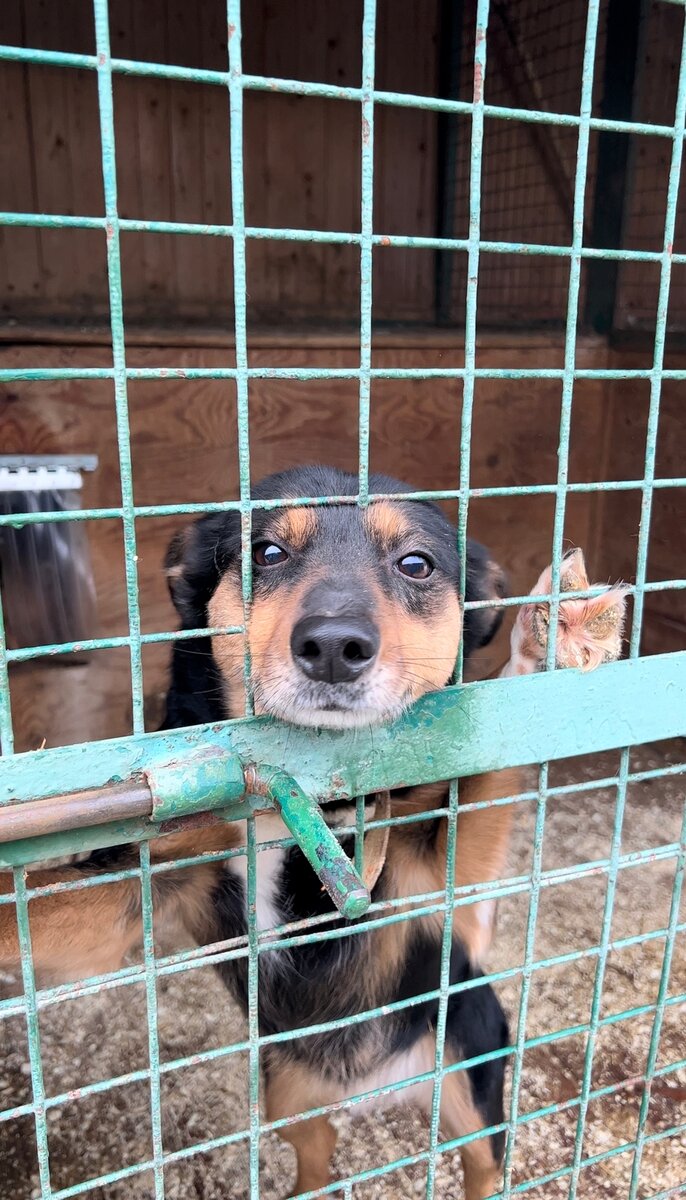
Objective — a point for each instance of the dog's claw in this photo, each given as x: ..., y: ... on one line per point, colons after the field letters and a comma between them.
x: 589, y: 631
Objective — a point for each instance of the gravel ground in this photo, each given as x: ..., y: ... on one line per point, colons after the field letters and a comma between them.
x: 91, y: 1038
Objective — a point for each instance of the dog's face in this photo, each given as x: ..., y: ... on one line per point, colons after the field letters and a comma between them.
x: 355, y: 612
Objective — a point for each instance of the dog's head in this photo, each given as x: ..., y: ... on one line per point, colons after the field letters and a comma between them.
x: 355, y: 611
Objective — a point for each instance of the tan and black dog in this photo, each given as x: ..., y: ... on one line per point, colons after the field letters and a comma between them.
x: 355, y: 615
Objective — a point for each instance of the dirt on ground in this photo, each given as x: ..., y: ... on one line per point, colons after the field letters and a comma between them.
x: 92, y: 1038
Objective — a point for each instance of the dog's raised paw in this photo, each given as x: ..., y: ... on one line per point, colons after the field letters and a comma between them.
x: 589, y: 631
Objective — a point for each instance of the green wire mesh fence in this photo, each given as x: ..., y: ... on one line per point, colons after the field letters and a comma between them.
x: 532, y: 884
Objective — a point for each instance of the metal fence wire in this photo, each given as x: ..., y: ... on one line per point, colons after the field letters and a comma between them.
x: 620, y: 690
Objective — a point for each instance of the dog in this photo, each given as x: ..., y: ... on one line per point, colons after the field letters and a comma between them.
x: 355, y: 615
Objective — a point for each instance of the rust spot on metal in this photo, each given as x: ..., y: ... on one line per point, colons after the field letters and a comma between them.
x: 102, y: 59
x: 366, y: 131
x: 232, y: 30
x: 385, y: 241
x: 478, y: 82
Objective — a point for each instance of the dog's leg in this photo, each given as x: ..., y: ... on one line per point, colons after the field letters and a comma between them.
x: 589, y: 632
x: 290, y: 1089
x: 73, y: 933
x: 459, y: 1117
x: 90, y: 930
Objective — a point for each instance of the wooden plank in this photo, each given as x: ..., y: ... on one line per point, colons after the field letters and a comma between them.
x: 151, y: 282
x: 21, y: 262
x: 618, y: 514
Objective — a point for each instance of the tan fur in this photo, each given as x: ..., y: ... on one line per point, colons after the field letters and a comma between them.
x: 91, y: 930
x: 387, y: 524
x: 293, y: 1088
x: 481, y: 852
x: 226, y: 609
x: 75, y: 932
x: 460, y: 1116
x: 419, y: 651
x: 295, y: 526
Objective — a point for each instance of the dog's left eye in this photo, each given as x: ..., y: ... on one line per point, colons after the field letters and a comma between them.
x: 415, y: 566
x: 268, y: 555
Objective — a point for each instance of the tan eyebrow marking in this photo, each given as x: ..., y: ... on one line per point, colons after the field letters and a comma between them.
x: 386, y: 522
x: 297, y: 526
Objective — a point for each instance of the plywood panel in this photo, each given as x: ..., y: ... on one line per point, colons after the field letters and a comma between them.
x: 302, y: 164
x: 183, y: 435
x: 664, y: 626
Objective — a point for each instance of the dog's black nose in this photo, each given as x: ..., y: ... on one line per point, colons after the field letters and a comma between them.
x: 334, y: 649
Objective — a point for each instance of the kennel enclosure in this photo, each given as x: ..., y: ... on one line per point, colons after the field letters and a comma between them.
x: 440, y: 240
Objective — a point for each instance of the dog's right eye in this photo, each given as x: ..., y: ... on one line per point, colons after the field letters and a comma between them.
x: 266, y: 554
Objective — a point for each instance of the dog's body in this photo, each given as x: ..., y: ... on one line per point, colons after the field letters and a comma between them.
x: 355, y: 615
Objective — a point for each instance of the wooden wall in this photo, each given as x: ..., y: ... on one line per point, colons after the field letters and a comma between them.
x: 183, y: 437
x: 302, y: 162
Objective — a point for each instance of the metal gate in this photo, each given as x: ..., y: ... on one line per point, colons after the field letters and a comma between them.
x: 139, y: 783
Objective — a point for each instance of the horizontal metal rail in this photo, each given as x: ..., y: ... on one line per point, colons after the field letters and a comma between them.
x: 554, y: 715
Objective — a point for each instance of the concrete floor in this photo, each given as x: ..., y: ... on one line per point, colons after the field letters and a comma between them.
x: 92, y: 1038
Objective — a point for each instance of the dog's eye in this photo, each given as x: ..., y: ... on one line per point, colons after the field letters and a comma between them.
x: 415, y: 566
x: 266, y: 554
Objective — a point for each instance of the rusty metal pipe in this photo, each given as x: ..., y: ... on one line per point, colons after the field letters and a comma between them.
x: 75, y: 810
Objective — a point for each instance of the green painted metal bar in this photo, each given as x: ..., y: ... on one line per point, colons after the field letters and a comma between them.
x: 659, y: 351
x: 641, y: 571
x: 572, y: 319
x: 526, y: 976
x: 6, y: 729
x: 327, y: 236
x: 359, y: 836
x: 327, y: 91
x: 601, y: 966
x: 17, y: 520
x: 557, y: 543
x: 147, y: 639
x: 109, y: 174
x: 576, y: 789
x: 303, y: 374
x: 253, y: 1013
x: 654, y: 1046
x: 33, y: 1032
x: 443, y: 989
x: 302, y: 816
x: 366, y: 233
x: 473, y: 255
x: 450, y: 25
x: 151, y: 1008
x: 609, y: 707
x: 235, y: 85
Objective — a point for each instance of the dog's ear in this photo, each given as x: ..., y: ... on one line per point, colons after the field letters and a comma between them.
x: 485, y: 581
x: 196, y: 559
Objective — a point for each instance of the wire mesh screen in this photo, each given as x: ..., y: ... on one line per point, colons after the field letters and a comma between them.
x: 654, y: 101
x: 528, y: 178
x: 574, y: 1161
